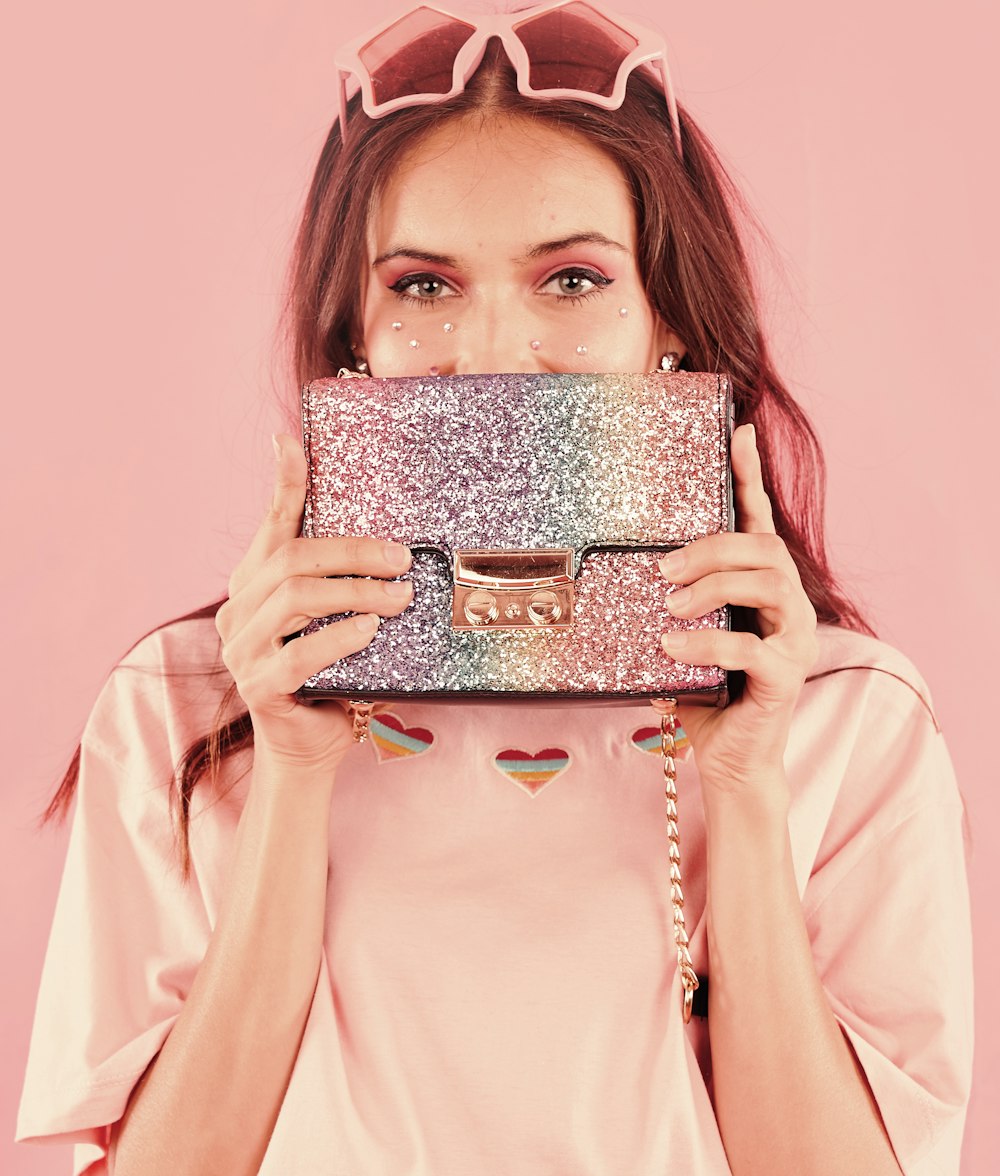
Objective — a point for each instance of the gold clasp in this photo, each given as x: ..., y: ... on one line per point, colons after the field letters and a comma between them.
x: 525, y: 589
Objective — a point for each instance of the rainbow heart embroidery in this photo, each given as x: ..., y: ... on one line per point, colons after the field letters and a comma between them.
x: 648, y: 739
x: 393, y: 741
x: 531, y: 772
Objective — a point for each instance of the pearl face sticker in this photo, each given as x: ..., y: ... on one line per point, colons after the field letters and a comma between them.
x: 581, y: 350
x: 535, y: 344
x: 414, y: 343
x: 397, y: 326
x: 448, y: 328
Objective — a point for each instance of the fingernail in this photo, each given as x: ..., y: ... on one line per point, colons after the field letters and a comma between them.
x: 399, y: 588
x: 367, y: 623
x: 277, y: 446
x: 678, y: 598
x: 671, y: 564
x: 396, y: 555
x: 753, y: 434
x: 674, y: 640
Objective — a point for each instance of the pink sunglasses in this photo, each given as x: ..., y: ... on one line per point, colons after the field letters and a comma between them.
x: 428, y: 55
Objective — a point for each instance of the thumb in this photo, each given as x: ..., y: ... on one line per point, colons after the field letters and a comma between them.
x: 283, y: 517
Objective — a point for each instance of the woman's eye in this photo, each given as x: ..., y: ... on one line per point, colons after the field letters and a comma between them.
x: 573, y: 284
x: 421, y: 288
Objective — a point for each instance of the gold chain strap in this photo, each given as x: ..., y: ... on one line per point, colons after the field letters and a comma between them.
x: 666, y: 708
x: 361, y: 713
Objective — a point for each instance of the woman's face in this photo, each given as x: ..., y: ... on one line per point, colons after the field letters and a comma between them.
x: 506, y: 247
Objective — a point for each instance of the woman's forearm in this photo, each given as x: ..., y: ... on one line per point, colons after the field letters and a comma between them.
x: 790, y: 1097
x: 209, y: 1101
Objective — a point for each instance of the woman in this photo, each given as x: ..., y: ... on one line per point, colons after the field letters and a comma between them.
x: 396, y: 959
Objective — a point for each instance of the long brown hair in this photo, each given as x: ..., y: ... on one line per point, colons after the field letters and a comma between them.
x: 697, y: 277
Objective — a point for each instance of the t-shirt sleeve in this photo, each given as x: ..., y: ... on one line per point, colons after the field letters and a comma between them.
x: 888, y: 916
x: 128, y: 932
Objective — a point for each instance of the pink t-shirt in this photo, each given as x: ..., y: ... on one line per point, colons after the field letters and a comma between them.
x: 499, y: 991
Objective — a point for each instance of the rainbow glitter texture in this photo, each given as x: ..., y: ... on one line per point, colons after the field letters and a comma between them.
x: 608, y: 471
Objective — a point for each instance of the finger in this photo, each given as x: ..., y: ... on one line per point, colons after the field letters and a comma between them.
x: 299, y: 660
x: 728, y: 551
x: 270, y: 680
x: 301, y: 599
x: 781, y: 604
x: 339, y: 555
x: 283, y: 517
x: 753, y: 507
x: 775, y: 676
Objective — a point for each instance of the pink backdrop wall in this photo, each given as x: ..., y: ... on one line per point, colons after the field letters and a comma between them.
x: 155, y: 162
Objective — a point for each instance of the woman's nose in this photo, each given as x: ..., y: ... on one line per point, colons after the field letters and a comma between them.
x: 497, y: 340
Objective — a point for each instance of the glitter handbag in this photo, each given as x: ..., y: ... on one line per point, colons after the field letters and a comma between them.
x: 536, y: 508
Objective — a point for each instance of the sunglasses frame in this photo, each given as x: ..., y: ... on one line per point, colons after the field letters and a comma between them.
x: 650, y: 50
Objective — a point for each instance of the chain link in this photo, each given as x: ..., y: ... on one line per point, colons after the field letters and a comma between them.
x: 361, y: 712
x: 667, y: 710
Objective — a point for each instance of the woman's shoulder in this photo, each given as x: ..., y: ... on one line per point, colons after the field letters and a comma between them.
x: 867, y: 763
x: 167, y: 687
x: 190, y: 642
x: 850, y: 663
x: 866, y: 750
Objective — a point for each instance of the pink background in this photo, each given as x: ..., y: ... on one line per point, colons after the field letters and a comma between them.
x: 156, y: 160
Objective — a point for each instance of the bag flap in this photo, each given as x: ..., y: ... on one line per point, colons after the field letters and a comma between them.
x: 519, y: 461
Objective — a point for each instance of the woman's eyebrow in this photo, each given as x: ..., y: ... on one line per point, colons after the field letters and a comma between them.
x: 546, y: 247
x: 417, y: 255
x: 542, y: 249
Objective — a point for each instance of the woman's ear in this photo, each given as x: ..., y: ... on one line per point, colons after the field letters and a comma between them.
x: 665, y: 340
x: 357, y: 338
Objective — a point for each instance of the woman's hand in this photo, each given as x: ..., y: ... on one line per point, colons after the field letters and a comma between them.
x: 278, y: 587
x: 744, y: 743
